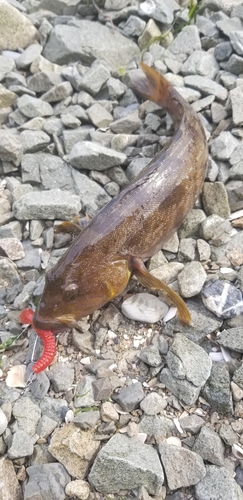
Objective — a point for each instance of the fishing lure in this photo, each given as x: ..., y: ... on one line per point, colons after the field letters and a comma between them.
x: 48, y: 339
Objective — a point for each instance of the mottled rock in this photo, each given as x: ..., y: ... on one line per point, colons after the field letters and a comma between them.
x: 209, y: 446
x: 133, y: 464
x: 8, y: 480
x: 10, y: 147
x: 153, y: 403
x: 217, y: 389
x: 16, y: 30
x: 182, y: 467
x: 215, y: 199
x: 21, y: 445
x: 218, y: 483
x: 52, y: 204
x: 74, y: 449
x: 61, y: 376
x: 92, y: 196
x: 222, y: 298
x: 191, y: 279
x: 231, y: 339
x: 46, y: 480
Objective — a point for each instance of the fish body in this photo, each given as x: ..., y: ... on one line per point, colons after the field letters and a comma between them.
x: 134, y: 225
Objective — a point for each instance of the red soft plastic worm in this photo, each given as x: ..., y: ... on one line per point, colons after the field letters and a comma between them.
x: 48, y: 339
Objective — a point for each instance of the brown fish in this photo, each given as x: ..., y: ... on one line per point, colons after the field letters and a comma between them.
x: 134, y: 225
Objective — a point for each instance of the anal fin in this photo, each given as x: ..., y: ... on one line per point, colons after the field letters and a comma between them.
x: 148, y: 281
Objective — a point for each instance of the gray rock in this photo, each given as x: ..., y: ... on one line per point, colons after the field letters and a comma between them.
x: 204, y: 250
x: 27, y: 415
x: 217, y: 389
x: 8, y: 272
x: 191, y: 224
x: 13, y: 248
x: 93, y: 156
x: 127, y: 123
x: 183, y: 467
x: 134, y: 26
x: 34, y: 140
x: 32, y: 107
x: 187, y: 249
x: 215, y: 199
x: 227, y: 25
x: 70, y: 121
x: 209, y: 446
x: 216, y: 229
x: 47, y: 481
x: 102, y: 389
x: 46, y: 426
x: 92, y: 196
x: 157, y: 426
x: 206, y: 26
x: 235, y: 195
x: 160, y: 10
x: 236, y: 97
x: 223, y: 146
x: 153, y: 403
x: 87, y: 419
x: 238, y: 376
x: 222, y: 298
x: 10, y: 147
x: 191, y: 279
x: 136, y: 166
x: 144, y: 307
x: 94, y: 79
x: 218, y: 483
x: 186, y: 41
x: 191, y: 423
x: 130, y: 397
x: 229, y: 436
x: 28, y: 56
x: 61, y: 377
x: 236, y: 39
x: 53, y: 171
x: 54, y: 408
x: 23, y: 298
x: 32, y: 258
x: 151, y: 356
x: 58, y: 92
x: 150, y: 31
x: 11, y: 230
x: 133, y: 464
x: 87, y: 41
x: 200, y: 63
x: 206, y: 86
x: 99, y: 116
x: 112, y: 188
x: 84, y: 392
x: 52, y: 204
x: 234, y: 64
x: 231, y: 339
x: 21, y: 445
x: 71, y: 137
x: 7, y: 65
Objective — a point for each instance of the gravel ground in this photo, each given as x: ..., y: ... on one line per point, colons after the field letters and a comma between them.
x: 135, y: 405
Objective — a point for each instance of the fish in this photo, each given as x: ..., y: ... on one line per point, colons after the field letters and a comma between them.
x: 134, y: 225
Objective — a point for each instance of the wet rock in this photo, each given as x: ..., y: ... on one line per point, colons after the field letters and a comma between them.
x: 222, y: 298
x: 52, y: 204
x: 231, y: 339
x: 16, y: 30
x: 74, y: 449
x: 217, y: 389
x: 191, y: 279
x: 9, y: 482
x: 87, y: 41
x: 144, y: 307
x: 209, y: 446
x: 133, y: 464
x: 47, y: 480
x: 130, y: 397
x: 218, y: 483
x: 188, y: 369
x: 182, y: 467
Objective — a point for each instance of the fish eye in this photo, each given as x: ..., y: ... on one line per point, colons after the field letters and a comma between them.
x: 70, y: 292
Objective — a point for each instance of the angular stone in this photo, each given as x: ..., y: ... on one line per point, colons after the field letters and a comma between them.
x: 209, y: 446
x: 84, y: 392
x: 223, y: 146
x: 191, y: 224
x: 28, y: 56
x: 87, y: 41
x: 218, y: 483
x: 206, y: 86
x: 10, y: 147
x: 8, y: 272
x: 31, y: 106
x: 236, y: 97
x: 200, y: 63
x: 94, y: 79
x: 133, y: 464
x: 129, y: 397
x: 217, y: 389
x: 153, y: 403
x: 231, y: 339
x: 127, y: 124
x: 99, y: 116
x: 46, y: 479
x: 8, y: 480
x: 215, y: 199
x: 74, y: 449
x: 44, y: 81
x: 52, y: 204
x: 150, y: 31
x: 61, y: 377
x: 93, y: 156
x: 192, y: 423
x: 183, y: 467
x: 86, y: 419
x: 186, y: 41
x: 21, y: 445
x: 92, y: 195
x: 34, y: 140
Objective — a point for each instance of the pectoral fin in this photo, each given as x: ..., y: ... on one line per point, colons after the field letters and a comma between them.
x: 147, y: 280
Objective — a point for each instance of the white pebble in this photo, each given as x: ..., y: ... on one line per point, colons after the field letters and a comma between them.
x: 175, y: 441
x: 216, y: 356
x: 16, y: 376
x: 144, y: 307
x: 170, y: 314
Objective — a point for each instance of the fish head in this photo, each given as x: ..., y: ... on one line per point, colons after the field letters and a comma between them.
x: 67, y: 297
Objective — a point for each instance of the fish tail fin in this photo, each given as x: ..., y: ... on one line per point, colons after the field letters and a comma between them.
x: 147, y: 280
x: 156, y: 88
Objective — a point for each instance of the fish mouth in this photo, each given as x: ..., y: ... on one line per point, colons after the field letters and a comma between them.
x: 58, y: 325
